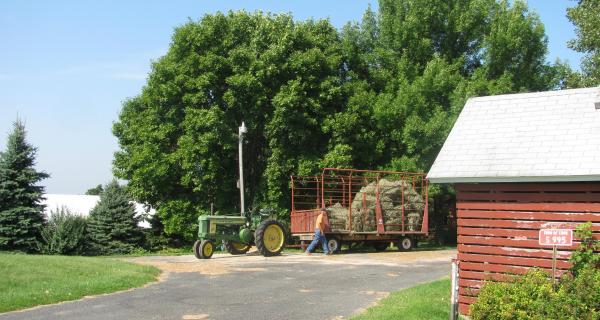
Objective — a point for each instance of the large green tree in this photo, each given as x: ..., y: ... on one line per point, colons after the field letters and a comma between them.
x: 112, y: 224
x: 382, y: 93
x: 21, y: 211
x: 178, y: 137
x: 418, y: 61
x: 586, y: 17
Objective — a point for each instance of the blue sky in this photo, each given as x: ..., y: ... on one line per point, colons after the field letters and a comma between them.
x: 66, y: 66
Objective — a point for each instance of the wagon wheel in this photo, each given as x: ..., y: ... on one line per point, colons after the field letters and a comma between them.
x: 204, y: 249
x: 236, y: 247
x: 406, y: 243
x: 270, y: 238
x: 334, y: 245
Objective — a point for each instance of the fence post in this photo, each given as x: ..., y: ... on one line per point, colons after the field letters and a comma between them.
x: 454, y: 291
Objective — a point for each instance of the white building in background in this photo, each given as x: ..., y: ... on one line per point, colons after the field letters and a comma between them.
x: 82, y: 204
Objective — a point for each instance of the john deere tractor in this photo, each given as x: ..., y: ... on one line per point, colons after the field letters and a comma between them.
x: 239, y: 232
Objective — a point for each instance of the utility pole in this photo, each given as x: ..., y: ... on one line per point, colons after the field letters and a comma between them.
x: 242, y: 130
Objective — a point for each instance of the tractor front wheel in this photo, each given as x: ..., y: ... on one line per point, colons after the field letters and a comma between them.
x: 204, y: 249
x: 269, y: 238
x: 236, y: 247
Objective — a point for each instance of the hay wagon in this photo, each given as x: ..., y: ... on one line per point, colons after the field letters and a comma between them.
x: 363, y: 206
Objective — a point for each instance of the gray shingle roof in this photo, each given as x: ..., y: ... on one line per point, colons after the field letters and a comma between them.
x: 529, y: 137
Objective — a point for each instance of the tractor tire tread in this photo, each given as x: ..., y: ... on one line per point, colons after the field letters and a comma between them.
x: 259, y: 234
x: 233, y: 250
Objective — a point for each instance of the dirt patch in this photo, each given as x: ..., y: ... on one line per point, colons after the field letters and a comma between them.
x: 223, y: 264
x: 249, y: 269
x: 209, y: 268
x: 374, y: 293
x: 413, y: 256
x: 220, y: 265
x: 195, y: 317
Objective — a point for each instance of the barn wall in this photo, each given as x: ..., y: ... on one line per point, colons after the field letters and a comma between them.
x: 498, y: 227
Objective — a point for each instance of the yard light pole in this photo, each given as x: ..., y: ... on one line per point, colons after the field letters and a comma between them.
x: 242, y: 130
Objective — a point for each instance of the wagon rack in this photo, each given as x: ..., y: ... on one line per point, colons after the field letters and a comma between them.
x: 364, y: 206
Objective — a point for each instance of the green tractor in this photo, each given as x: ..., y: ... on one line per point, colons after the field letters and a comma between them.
x: 239, y: 232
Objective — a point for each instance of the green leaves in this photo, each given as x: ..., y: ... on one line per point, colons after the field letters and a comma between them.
x: 21, y: 211
x: 586, y: 255
x: 179, y: 137
x: 516, y: 46
x: 586, y: 17
x: 112, y: 225
x: 64, y: 234
x: 383, y: 93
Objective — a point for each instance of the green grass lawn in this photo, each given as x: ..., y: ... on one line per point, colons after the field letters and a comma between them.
x: 30, y: 280
x: 425, y: 301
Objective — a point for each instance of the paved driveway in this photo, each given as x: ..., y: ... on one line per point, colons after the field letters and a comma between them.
x: 292, y: 286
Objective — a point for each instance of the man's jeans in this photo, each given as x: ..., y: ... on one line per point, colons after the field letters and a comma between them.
x: 318, y: 237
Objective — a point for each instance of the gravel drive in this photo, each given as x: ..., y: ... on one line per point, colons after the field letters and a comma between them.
x: 291, y: 286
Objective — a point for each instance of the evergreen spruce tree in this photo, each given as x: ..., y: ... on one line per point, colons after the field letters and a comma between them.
x: 21, y: 211
x: 112, y: 225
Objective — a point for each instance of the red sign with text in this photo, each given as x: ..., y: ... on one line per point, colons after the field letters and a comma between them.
x: 556, y: 237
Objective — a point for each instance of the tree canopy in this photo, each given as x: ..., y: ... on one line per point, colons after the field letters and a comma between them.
x: 586, y: 17
x: 382, y: 93
x: 95, y: 191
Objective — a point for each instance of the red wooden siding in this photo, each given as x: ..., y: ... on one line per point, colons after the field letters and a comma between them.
x: 498, y: 226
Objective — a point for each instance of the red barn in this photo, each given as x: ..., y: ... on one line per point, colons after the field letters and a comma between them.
x: 520, y: 163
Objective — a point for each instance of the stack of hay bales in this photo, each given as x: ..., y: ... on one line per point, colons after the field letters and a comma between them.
x: 338, y: 217
x: 390, y: 198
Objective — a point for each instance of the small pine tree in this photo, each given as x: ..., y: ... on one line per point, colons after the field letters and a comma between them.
x: 112, y: 225
x: 21, y: 211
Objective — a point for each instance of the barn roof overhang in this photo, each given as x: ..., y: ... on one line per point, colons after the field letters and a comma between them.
x: 583, y: 178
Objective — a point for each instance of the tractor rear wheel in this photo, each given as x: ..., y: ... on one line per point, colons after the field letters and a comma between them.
x: 204, y: 249
x: 236, y: 247
x: 269, y: 238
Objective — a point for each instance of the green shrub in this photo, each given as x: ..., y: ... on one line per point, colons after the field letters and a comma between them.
x: 579, y: 297
x: 585, y: 257
x: 525, y: 298
x: 532, y: 296
x: 64, y: 234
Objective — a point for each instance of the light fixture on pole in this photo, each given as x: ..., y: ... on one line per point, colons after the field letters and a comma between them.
x: 242, y: 130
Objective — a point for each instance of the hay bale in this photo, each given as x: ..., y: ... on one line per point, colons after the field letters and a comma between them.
x: 338, y: 217
x: 414, y: 221
x: 365, y: 202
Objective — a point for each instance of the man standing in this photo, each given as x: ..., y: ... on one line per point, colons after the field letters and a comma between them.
x: 320, y: 227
